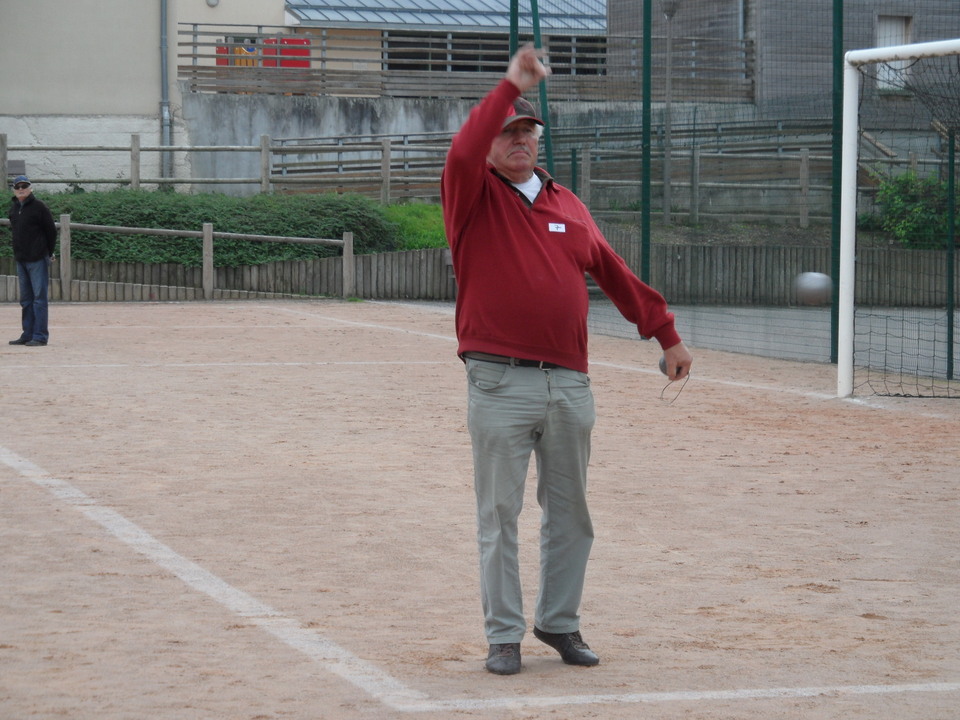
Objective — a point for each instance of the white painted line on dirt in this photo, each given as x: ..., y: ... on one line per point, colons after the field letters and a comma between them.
x: 313, y: 363
x: 366, y: 676
x: 598, y: 363
x: 682, y: 696
x: 728, y: 383
x: 374, y: 326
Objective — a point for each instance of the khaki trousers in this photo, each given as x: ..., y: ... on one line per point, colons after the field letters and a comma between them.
x: 511, y: 413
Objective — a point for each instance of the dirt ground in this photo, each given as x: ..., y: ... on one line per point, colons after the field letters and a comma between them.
x: 264, y: 510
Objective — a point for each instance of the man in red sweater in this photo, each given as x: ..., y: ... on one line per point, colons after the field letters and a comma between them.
x: 521, y: 244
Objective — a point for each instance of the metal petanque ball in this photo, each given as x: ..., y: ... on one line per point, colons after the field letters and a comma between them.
x: 813, y: 288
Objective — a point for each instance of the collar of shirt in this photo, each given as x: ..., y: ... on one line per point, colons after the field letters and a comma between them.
x: 530, y: 188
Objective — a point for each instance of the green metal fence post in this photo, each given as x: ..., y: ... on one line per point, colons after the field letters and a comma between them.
x: 544, y: 108
x: 837, y: 157
x: 645, y: 143
x: 951, y: 246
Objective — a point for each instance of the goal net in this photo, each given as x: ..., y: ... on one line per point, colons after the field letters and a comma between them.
x: 897, y: 312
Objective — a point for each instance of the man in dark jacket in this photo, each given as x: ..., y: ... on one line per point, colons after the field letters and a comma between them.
x: 34, y: 239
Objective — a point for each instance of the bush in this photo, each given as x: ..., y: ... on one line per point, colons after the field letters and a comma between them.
x: 315, y: 216
x: 914, y: 209
x: 420, y: 226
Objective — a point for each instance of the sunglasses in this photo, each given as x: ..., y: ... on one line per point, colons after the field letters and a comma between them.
x: 21, y: 186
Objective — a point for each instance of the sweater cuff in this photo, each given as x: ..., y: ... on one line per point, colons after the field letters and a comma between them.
x: 668, y: 336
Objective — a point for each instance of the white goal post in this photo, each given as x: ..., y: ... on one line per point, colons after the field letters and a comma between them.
x: 848, y: 185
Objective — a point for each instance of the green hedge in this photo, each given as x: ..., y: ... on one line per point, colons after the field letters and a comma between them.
x: 420, y: 226
x: 914, y: 210
x: 375, y: 228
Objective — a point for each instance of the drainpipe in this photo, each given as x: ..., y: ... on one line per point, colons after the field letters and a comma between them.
x: 166, y: 122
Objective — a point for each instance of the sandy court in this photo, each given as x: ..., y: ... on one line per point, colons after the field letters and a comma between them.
x: 264, y: 510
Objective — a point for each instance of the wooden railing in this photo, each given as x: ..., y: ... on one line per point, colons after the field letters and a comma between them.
x: 380, y: 63
x: 686, y: 274
x: 71, y: 287
x: 759, y: 171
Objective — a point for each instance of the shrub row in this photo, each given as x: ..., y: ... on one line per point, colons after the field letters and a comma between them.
x: 375, y: 228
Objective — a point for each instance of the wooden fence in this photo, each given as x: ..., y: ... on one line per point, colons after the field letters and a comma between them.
x: 415, y: 274
x: 686, y: 274
x: 761, y: 171
x: 71, y: 280
x: 763, y: 274
x: 782, y: 184
x: 394, y: 63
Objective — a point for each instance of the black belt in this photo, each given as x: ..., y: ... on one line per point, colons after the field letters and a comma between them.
x: 512, y: 361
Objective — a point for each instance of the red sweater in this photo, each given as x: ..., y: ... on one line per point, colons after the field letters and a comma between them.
x: 520, y: 268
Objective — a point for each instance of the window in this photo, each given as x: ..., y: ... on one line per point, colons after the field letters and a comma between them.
x: 577, y: 55
x: 893, y: 30
x: 464, y: 52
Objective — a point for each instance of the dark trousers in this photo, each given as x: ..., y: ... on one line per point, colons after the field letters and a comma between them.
x: 34, y: 283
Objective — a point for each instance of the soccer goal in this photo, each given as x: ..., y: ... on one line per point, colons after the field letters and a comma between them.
x: 896, y: 306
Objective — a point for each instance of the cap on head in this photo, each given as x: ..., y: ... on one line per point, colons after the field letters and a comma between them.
x: 521, y: 110
x: 21, y: 179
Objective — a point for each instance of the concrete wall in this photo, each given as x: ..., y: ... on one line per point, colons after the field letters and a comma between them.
x: 221, y: 119
x: 211, y: 119
x: 69, y: 58
x: 88, y: 72
x: 101, y: 57
x: 67, y: 167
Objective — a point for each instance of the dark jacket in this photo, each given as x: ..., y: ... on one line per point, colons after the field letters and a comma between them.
x: 33, y: 229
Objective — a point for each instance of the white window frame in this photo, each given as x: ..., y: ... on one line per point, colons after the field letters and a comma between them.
x: 893, y: 30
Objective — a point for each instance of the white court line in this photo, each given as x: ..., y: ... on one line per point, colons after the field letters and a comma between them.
x: 728, y: 383
x: 364, y: 675
x: 444, y: 310
x: 374, y: 326
x: 597, y: 363
x: 316, y: 315
x: 272, y: 363
x: 686, y: 696
x: 290, y: 631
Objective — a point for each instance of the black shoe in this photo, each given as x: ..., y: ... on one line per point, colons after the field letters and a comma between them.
x: 35, y: 343
x: 571, y: 647
x: 18, y: 341
x: 504, y: 659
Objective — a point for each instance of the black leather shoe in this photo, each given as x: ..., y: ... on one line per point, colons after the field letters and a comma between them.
x: 504, y: 659
x: 18, y: 341
x: 35, y: 343
x: 571, y: 647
